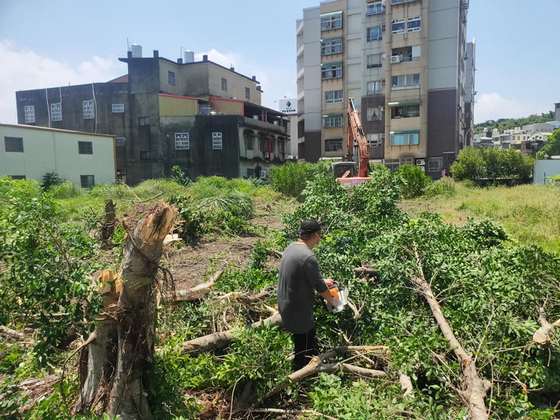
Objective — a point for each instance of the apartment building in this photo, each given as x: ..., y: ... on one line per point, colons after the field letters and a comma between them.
x: 404, y: 64
x: 199, y: 115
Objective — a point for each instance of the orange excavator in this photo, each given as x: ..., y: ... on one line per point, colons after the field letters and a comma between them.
x: 346, y: 172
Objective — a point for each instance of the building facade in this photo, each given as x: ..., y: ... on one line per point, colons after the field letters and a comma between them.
x: 29, y: 152
x: 164, y: 113
x: 403, y: 62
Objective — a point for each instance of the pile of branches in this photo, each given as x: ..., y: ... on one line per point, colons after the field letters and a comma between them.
x: 466, y: 318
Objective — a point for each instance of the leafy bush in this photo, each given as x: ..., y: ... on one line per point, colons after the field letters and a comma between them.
x: 179, y: 176
x: 551, y: 147
x: 65, y: 189
x: 47, y: 270
x: 291, y: 178
x: 492, y: 165
x: 50, y: 179
x: 414, y: 180
x: 444, y: 186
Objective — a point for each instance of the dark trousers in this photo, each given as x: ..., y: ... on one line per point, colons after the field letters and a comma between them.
x: 305, y: 347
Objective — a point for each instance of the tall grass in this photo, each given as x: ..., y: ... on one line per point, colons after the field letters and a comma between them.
x: 529, y: 213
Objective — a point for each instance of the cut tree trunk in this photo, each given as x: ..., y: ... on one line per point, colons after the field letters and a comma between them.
x: 474, y: 387
x: 121, y: 351
x: 109, y: 224
x: 221, y: 339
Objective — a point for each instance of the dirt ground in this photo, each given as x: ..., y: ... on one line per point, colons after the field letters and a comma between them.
x: 191, y: 265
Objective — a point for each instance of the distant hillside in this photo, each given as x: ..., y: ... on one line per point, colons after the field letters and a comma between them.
x: 509, y: 123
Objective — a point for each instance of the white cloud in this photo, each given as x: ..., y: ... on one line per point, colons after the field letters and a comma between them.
x: 492, y: 106
x: 23, y: 69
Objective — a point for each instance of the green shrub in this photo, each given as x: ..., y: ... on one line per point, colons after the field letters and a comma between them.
x: 65, y: 189
x: 291, y: 178
x: 444, y: 186
x: 50, y: 179
x: 492, y: 165
x: 414, y: 180
x: 47, y: 266
x: 551, y: 147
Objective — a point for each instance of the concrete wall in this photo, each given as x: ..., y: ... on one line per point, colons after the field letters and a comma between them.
x: 47, y: 150
x: 312, y: 68
x: 545, y: 169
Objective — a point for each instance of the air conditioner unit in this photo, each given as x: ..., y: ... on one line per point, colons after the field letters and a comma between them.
x: 395, y: 59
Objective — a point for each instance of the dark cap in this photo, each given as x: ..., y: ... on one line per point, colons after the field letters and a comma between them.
x: 308, y: 227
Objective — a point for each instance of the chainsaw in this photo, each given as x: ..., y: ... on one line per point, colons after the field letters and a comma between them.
x: 340, y: 294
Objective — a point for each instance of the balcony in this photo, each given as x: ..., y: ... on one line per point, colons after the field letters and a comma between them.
x: 374, y: 9
x: 264, y: 125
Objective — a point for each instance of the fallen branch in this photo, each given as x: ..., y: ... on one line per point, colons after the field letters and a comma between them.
x: 246, y: 298
x: 197, y: 292
x: 221, y: 339
x: 319, y: 364
x: 542, y: 335
x: 365, y: 271
x: 11, y: 334
x: 474, y: 387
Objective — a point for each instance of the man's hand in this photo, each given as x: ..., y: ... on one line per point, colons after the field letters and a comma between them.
x: 329, y: 298
x: 329, y: 282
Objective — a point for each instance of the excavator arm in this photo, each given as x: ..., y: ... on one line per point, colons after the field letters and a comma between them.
x: 356, y: 133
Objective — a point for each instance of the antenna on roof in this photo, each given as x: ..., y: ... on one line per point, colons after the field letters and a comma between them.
x: 127, y: 44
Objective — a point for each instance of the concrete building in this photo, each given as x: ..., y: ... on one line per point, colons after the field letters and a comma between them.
x: 557, y: 111
x: 165, y: 113
x: 545, y: 169
x: 403, y: 62
x: 30, y: 152
x: 470, y: 91
x: 288, y: 106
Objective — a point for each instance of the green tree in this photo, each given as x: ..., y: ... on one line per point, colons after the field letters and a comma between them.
x: 469, y: 165
x: 552, y: 146
x: 414, y: 180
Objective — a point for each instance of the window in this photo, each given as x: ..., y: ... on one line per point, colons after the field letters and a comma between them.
x: 117, y: 108
x: 85, y: 148
x: 56, y: 111
x: 250, y: 172
x: 224, y: 84
x: 249, y: 140
x: 435, y: 164
x: 88, y: 109
x: 331, y: 46
x: 143, y: 121
x: 332, y: 121
x: 374, y: 33
x: 331, y: 21
x: 414, y: 24
x: 247, y: 93
x: 217, y: 143
x: 333, y: 145
x: 171, y: 78
x: 406, y: 54
x: 374, y: 61
x: 375, y: 139
x: 17, y: 176
x: 375, y: 87
x: 182, y: 141
x: 375, y: 113
x: 398, y: 26
x: 121, y: 141
x: 405, y: 111
x: 13, y: 144
x: 331, y: 71
x: 29, y: 114
x: 144, y: 155
x: 333, y: 96
x: 405, y: 81
x: 406, y: 160
x: 87, y: 181
x: 375, y: 8
x: 405, y: 138
x: 392, y: 164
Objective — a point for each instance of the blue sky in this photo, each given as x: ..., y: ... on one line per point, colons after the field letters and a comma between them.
x: 57, y: 42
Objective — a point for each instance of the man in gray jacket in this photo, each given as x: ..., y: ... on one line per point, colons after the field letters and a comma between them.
x: 300, y: 277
